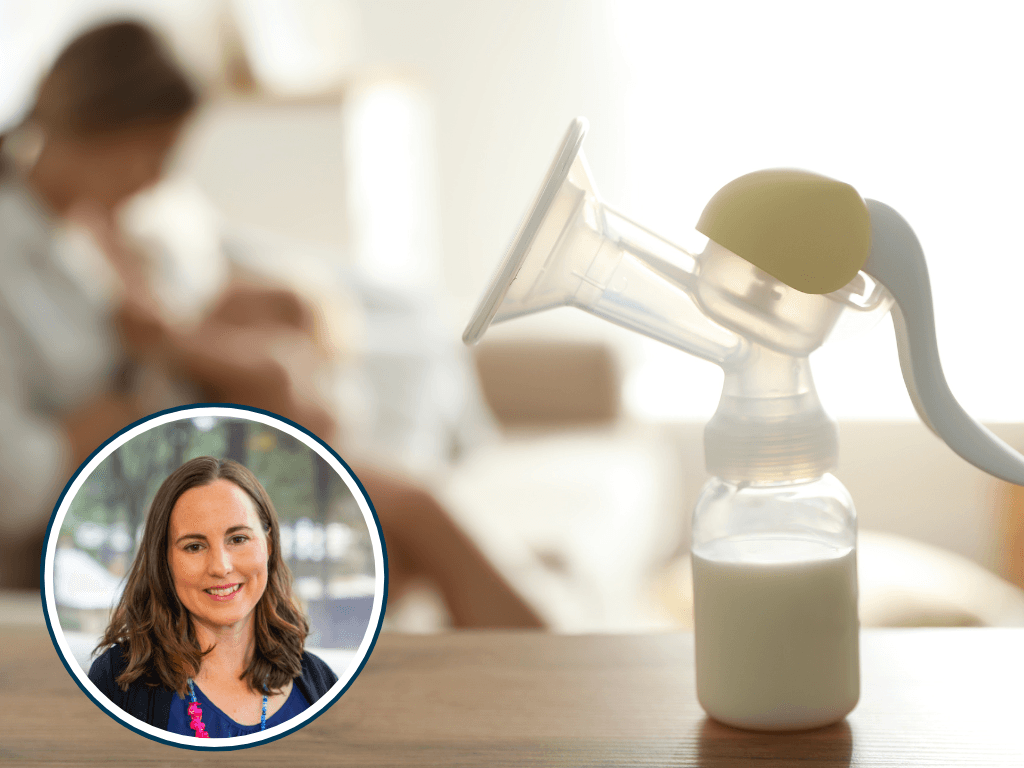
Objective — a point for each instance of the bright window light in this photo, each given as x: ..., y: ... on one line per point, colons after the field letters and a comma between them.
x: 391, y: 183
x: 915, y: 105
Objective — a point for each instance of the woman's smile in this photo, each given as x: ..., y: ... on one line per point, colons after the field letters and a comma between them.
x: 223, y: 593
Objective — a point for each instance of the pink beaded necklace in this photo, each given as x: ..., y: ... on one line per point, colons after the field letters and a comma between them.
x: 196, y: 713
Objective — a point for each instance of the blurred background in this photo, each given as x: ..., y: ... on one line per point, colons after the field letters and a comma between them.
x: 324, y: 538
x: 376, y: 156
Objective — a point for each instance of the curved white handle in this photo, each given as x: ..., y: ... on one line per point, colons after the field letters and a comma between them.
x: 897, y: 261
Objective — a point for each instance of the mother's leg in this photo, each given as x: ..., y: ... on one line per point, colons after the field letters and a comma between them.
x: 423, y: 542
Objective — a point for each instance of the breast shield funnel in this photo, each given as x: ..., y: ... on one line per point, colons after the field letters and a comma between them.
x: 573, y: 250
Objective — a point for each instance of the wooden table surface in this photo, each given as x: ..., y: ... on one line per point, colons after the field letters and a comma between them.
x: 936, y: 697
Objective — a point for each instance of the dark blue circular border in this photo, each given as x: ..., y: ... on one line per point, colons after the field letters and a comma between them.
x: 46, y: 546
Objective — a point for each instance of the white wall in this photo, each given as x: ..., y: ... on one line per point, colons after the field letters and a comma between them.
x: 507, y: 79
x: 274, y: 166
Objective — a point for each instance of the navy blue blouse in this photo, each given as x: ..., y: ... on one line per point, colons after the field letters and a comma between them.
x: 219, y: 725
x: 149, y: 701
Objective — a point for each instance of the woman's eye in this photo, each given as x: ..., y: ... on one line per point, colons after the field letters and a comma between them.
x: 239, y: 539
x: 193, y: 547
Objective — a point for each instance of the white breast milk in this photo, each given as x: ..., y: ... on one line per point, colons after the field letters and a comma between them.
x: 776, y: 632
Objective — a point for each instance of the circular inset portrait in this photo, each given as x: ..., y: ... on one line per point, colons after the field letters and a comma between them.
x: 214, y: 577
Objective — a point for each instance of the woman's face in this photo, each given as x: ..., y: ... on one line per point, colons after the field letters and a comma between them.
x: 106, y: 169
x: 218, y: 554
x: 119, y: 165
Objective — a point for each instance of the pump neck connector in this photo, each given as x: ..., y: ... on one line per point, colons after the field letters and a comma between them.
x: 770, y: 426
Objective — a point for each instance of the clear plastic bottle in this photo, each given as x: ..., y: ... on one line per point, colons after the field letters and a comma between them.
x: 775, y: 602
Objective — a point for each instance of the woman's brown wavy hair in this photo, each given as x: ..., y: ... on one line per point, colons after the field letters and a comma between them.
x: 155, y: 630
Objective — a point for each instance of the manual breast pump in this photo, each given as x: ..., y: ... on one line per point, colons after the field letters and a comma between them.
x: 791, y: 255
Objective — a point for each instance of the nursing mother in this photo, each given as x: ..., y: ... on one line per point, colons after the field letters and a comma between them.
x: 207, y: 640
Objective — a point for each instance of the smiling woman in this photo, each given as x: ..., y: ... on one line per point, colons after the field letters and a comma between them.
x: 207, y: 640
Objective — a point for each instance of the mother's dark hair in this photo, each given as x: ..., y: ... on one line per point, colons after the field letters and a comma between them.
x: 114, y: 76
x: 155, y: 630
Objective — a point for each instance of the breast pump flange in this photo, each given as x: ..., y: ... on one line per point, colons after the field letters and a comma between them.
x: 791, y: 256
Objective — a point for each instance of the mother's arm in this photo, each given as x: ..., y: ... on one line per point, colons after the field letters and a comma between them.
x: 424, y: 543
x: 39, y: 451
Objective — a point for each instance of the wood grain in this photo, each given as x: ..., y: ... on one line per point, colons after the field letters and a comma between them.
x: 930, y: 697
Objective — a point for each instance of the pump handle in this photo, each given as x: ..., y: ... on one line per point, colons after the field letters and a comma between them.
x: 897, y: 261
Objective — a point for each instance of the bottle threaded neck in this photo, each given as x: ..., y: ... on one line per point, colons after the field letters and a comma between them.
x: 744, y: 442
x: 770, y: 425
